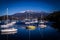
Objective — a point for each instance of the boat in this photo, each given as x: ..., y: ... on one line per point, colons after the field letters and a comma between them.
x: 31, y: 21
x: 42, y: 23
x: 27, y: 21
x: 34, y: 20
x: 9, y: 31
x: 7, y: 23
x: 31, y: 27
x: 7, y: 27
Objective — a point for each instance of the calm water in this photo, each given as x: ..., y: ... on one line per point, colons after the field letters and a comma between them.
x: 47, y: 33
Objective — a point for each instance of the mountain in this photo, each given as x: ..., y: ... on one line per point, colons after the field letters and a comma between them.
x: 26, y: 14
x: 29, y: 14
x: 9, y: 17
x: 55, y: 17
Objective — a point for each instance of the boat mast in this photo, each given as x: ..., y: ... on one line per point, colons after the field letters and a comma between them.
x: 7, y: 15
x: 41, y: 17
x: 26, y: 15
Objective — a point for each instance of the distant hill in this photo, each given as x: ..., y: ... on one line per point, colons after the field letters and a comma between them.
x: 30, y: 14
x: 26, y: 14
x: 55, y: 17
x: 9, y: 17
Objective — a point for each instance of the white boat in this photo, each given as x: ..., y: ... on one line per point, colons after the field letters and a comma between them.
x: 9, y: 31
x: 12, y: 23
x: 6, y: 29
x: 27, y: 21
x: 30, y: 21
x: 7, y: 23
x: 42, y: 26
x: 34, y: 21
x: 42, y: 23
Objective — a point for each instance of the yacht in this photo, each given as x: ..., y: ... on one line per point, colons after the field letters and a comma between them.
x: 9, y: 31
x: 7, y: 27
x: 27, y: 21
x: 42, y: 23
x: 7, y: 23
x: 34, y: 21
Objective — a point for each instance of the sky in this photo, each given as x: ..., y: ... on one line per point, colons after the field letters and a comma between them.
x: 15, y: 6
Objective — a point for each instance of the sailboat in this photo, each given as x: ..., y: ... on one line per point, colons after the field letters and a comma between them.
x: 27, y: 20
x: 30, y: 21
x: 7, y: 23
x: 9, y: 31
x: 42, y: 23
x: 6, y: 28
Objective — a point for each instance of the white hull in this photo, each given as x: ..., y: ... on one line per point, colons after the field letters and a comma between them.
x: 31, y: 22
x: 27, y: 22
x: 43, y: 21
x: 42, y: 26
x: 34, y: 22
x: 9, y: 30
x: 8, y: 25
